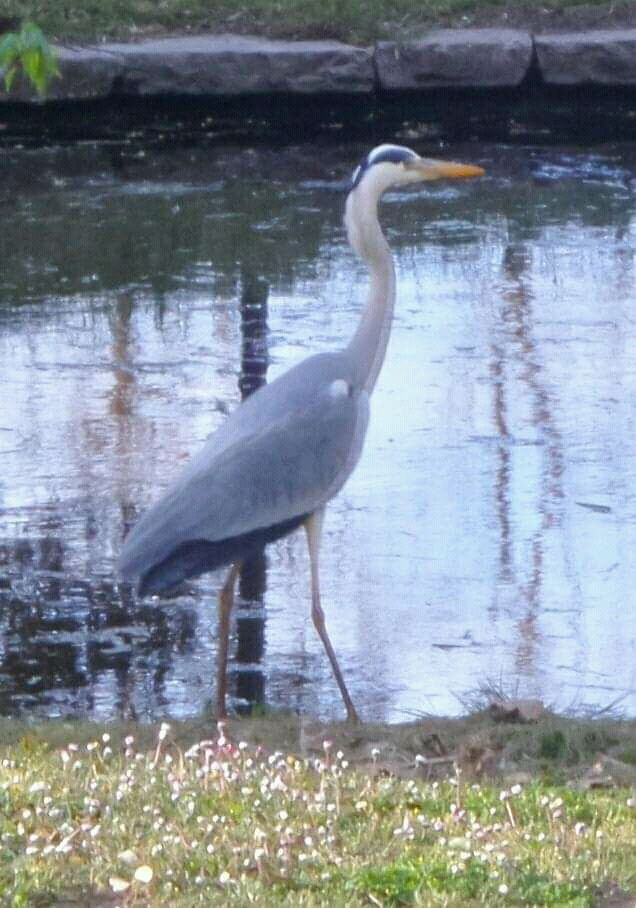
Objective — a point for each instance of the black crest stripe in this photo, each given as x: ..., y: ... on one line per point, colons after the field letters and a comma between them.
x: 392, y: 154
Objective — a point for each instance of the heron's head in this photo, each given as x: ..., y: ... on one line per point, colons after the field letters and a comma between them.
x: 395, y: 165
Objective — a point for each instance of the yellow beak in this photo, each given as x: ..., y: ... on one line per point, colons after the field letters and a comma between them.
x: 430, y: 169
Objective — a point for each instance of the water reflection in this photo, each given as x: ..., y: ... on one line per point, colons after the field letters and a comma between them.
x: 250, y: 623
x: 489, y: 531
x: 519, y: 353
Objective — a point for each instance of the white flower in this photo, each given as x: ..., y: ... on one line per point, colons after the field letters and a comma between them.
x: 144, y: 874
x: 117, y: 884
x: 37, y: 787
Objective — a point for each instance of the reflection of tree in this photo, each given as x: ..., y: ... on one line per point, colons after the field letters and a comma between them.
x: 68, y: 636
x: 502, y: 479
x: 230, y: 231
x: 144, y: 222
x: 250, y: 629
x: 66, y: 641
x: 123, y: 386
x: 517, y: 352
x: 145, y: 225
x: 36, y: 659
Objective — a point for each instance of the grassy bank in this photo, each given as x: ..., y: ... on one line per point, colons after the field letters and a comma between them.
x: 349, y: 816
x: 351, y: 20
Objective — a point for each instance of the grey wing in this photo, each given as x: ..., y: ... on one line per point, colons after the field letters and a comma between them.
x: 285, y: 469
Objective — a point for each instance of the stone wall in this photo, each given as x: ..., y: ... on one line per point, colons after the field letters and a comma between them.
x: 232, y: 65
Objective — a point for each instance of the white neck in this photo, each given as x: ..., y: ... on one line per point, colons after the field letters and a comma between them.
x: 367, y: 347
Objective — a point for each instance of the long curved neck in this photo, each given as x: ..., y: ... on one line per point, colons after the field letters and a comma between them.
x: 367, y: 347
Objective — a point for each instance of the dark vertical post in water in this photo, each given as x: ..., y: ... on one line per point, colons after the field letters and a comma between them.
x: 250, y: 684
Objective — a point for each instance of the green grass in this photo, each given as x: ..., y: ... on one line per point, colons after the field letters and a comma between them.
x: 353, y: 20
x: 159, y: 821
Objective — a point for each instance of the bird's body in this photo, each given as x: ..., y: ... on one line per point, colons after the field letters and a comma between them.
x: 284, y: 452
x: 289, y: 448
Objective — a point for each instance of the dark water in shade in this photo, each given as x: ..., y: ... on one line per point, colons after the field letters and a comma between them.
x: 489, y: 533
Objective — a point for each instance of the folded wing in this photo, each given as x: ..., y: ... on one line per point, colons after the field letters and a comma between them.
x: 270, y: 463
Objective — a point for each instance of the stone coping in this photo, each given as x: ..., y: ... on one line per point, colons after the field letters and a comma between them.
x: 234, y: 65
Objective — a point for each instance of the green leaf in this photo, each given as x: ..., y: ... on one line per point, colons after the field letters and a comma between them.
x: 9, y: 49
x: 38, y: 75
x: 32, y: 37
x: 30, y: 51
x: 30, y: 62
x: 9, y: 76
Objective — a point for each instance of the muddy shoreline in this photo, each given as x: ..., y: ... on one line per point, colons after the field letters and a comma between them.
x: 589, y: 753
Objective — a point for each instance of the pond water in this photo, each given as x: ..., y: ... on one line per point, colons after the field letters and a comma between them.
x: 488, y: 536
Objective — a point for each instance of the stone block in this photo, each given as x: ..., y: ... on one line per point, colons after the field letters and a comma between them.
x: 603, y: 57
x: 232, y: 65
x: 455, y: 58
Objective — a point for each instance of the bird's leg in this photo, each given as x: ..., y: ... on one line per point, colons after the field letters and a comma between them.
x: 313, y: 527
x: 226, y: 601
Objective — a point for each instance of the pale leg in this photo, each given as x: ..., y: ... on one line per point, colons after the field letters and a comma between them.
x: 313, y: 527
x: 226, y: 601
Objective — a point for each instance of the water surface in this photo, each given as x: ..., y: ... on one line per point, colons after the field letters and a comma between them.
x: 488, y: 534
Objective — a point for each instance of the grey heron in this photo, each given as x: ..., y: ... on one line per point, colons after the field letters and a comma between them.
x: 277, y: 460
